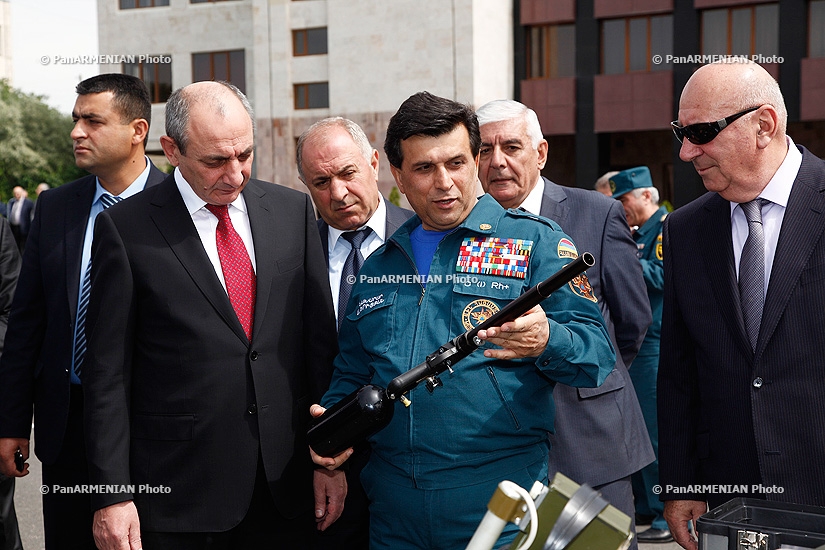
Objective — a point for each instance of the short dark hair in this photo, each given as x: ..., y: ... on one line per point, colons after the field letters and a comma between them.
x: 424, y: 114
x: 131, y: 97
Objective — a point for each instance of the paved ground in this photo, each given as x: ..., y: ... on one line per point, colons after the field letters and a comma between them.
x: 30, y: 512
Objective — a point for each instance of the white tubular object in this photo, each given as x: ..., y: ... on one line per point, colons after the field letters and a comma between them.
x: 504, y: 507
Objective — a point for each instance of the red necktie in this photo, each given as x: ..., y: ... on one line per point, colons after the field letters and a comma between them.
x: 237, y: 268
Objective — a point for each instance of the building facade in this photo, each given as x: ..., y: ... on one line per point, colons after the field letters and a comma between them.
x: 604, y: 76
x: 5, y: 42
x: 302, y: 60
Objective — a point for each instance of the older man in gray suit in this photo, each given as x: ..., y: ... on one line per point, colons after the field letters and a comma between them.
x: 600, y: 436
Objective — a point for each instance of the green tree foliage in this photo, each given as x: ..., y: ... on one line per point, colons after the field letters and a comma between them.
x: 395, y: 196
x: 35, y: 145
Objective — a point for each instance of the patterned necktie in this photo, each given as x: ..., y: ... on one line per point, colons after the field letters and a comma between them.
x: 352, y: 266
x: 237, y: 268
x: 106, y: 200
x: 752, y: 270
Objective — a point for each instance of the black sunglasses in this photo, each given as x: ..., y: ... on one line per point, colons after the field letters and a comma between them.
x: 704, y: 132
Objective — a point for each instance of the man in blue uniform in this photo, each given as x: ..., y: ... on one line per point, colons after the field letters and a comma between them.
x: 455, y: 263
x: 640, y: 199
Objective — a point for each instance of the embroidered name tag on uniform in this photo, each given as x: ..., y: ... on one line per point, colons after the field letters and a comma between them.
x: 494, y: 256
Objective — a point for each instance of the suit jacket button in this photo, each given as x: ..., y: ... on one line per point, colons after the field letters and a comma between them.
x: 757, y: 382
x: 254, y: 355
x: 252, y: 409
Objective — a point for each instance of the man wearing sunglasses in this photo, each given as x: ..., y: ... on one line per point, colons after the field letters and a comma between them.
x: 741, y: 372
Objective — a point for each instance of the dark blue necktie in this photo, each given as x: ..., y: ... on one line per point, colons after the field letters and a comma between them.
x: 352, y: 266
x: 106, y: 200
x: 752, y: 270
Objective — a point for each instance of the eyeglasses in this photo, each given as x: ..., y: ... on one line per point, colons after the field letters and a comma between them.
x: 704, y: 132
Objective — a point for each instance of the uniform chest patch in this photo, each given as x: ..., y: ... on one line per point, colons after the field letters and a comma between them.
x: 659, y: 255
x: 494, y: 256
x: 477, y: 312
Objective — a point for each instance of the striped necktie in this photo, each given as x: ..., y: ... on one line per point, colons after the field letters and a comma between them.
x: 106, y: 200
x: 352, y: 265
x: 752, y: 270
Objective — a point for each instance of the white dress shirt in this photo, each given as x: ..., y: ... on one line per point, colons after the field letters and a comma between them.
x: 339, y: 248
x: 777, y: 192
x: 206, y: 223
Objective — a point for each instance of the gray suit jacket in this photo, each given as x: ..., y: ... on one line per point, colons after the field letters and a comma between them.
x: 600, y: 433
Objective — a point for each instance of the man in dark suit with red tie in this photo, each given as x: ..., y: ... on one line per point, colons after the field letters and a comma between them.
x: 210, y: 333
x: 741, y: 370
x: 339, y: 166
x: 39, y: 370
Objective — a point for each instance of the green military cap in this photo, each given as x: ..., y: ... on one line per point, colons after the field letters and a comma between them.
x: 630, y: 179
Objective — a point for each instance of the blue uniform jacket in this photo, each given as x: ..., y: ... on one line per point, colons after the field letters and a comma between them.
x: 491, y: 417
x: 649, y: 243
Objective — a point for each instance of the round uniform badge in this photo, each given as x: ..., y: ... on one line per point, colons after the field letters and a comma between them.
x: 477, y: 312
x: 659, y: 255
x: 580, y: 285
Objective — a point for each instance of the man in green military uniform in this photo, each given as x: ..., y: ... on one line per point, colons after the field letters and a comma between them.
x: 459, y: 260
x: 640, y: 199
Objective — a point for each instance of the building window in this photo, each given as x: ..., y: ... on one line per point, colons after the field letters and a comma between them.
x: 156, y: 76
x: 551, y: 51
x: 229, y: 66
x: 629, y: 45
x: 132, y: 4
x: 748, y: 31
x: 204, y: 1
x: 309, y: 41
x: 816, y: 32
x: 314, y: 95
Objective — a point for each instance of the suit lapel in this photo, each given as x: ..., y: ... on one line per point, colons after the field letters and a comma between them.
x: 77, y: 211
x: 554, y: 203
x: 395, y: 218
x: 264, y: 221
x: 715, y: 238
x: 323, y: 231
x: 800, y: 232
x: 175, y: 224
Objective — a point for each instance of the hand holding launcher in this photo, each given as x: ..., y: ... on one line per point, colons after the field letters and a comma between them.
x: 369, y: 409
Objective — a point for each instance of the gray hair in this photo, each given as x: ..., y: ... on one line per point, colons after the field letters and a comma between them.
x: 355, y: 131
x: 507, y: 109
x: 180, y: 103
x: 654, y: 193
x: 604, y: 181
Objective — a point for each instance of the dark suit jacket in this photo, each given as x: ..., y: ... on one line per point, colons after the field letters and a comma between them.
x: 728, y: 415
x: 35, y: 368
x: 600, y: 432
x: 396, y: 217
x: 25, y: 214
x: 9, y: 270
x: 176, y: 396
